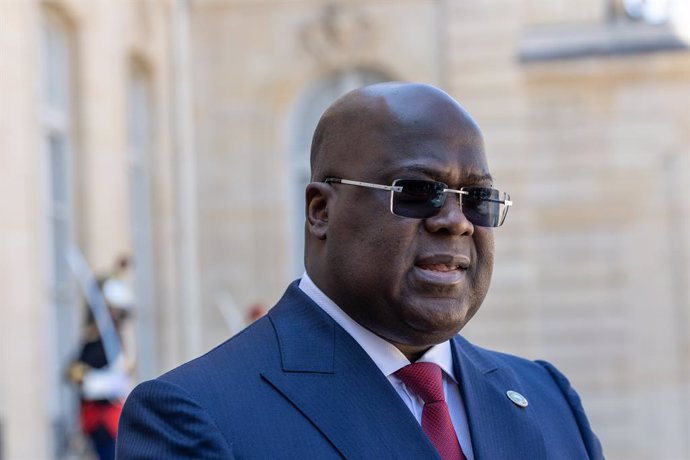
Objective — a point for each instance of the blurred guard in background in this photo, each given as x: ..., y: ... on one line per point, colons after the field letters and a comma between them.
x: 103, y: 385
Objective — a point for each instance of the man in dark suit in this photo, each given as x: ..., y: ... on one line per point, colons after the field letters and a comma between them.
x: 361, y: 358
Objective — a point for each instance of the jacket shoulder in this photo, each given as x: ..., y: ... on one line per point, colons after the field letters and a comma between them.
x: 254, y: 347
x: 555, y: 393
x: 144, y: 426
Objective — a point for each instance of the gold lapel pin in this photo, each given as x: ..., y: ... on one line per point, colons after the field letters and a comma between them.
x: 517, y: 398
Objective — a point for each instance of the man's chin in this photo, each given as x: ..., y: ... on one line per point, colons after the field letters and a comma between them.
x: 415, y: 345
x: 426, y: 332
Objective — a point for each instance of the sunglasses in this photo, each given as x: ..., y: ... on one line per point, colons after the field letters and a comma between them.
x: 420, y: 199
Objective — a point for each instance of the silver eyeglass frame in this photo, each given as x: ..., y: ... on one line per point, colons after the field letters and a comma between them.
x: 393, y: 188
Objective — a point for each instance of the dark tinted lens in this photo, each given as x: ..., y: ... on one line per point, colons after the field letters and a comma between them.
x: 418, y: 198
x: 483, y: 206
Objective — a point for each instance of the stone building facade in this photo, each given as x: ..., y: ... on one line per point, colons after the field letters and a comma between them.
x: 181, y: 135
x: 87, y: 149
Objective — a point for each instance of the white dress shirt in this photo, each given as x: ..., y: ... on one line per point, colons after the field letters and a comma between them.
x: 389, y: 360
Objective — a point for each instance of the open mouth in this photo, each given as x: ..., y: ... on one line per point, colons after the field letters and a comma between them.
x: 441, y: 269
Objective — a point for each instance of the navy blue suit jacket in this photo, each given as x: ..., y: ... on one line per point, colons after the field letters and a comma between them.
x: 295, y: 385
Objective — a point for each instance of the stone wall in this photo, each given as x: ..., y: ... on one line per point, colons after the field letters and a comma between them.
x: 41, y: 322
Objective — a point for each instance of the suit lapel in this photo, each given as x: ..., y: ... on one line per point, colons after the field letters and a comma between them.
x: 499, y: 428
x: 329, y: 378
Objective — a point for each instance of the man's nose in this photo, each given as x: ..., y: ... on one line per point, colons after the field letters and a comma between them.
x: 450, y: 218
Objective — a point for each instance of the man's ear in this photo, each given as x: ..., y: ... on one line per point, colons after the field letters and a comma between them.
x: 318, y: 195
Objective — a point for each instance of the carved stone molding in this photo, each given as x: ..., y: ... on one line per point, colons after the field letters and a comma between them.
x: 341, y: 34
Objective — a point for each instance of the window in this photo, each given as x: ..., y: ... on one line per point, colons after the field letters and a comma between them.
x: 56, y: 57
x: 140, y: 135
x: 650, y: 11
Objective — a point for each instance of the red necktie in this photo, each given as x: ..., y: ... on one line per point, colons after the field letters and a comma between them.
x: 426, y: 381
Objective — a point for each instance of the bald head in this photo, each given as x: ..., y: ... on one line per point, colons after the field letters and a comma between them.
x: 381, y: 112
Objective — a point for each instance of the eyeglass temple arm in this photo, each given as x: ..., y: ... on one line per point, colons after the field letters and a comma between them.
x: 364, y: 184
x: 464, y: 192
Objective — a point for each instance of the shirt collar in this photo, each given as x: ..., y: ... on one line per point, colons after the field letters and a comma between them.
x: 384, y: 354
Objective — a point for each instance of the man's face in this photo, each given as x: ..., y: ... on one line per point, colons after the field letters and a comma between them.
x: 414, y: 282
